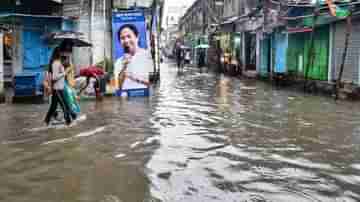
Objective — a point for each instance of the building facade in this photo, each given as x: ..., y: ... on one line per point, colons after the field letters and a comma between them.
x: 198, y: 24
x: 94, y: 21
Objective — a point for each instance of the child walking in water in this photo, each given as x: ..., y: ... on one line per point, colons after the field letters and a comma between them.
x: 92, y: 72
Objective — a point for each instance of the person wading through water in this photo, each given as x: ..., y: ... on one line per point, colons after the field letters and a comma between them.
x: 57, y: 75
x: 92, y: 72
x: 179, y: 54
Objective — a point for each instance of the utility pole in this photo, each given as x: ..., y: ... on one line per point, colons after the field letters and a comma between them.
x: 347, y: 38
x: 311, y: 55
x: 2, y: 96
x: 91, y: 19
x: 203, y: 11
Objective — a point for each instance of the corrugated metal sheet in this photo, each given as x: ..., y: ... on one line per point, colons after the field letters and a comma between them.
x: 351, y: 69
x: 36, y: 52
x: 298, y: 53
x: 281, y: 44
x: 295, y: 53
x: 76, y: 7
x: 264, y: 58
x: 319, y: 71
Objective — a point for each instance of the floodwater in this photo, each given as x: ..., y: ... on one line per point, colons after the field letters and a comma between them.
x: 201, y: 137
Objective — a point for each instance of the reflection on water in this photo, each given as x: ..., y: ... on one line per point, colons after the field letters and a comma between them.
x: 222, y: 139
x: 200, y: 137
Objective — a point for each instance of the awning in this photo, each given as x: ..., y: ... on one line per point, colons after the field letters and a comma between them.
x: 203, y: 46
x: 75, y: 38
x: 298, y: 30
x: 33, y: 16
x: 230, y: 20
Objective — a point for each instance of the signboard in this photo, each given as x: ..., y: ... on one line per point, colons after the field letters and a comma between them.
x: 136, y: 18
x: 133, y: 61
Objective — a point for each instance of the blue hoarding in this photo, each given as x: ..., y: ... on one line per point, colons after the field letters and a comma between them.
x: 136, y: 18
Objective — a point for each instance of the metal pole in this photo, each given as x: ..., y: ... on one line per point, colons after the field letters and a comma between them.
x: 311, y: 55
x: 1, y: 68
x: 92, y: 12
x: 105, y: 31
x: 347, y: 38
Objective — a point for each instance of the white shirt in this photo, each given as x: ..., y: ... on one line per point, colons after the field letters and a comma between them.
x: 58, y: 75
x: 140, y: 66
x: 187, y: 56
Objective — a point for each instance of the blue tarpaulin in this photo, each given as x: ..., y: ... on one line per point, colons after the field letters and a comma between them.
x: 37, y: 51
x: 281, y: 44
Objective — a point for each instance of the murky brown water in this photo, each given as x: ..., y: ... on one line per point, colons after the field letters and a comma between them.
x: 200, y: 137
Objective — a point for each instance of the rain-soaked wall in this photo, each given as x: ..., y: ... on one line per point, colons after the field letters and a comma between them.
x: 94, y: 22
x: 80, y: 9
x: 100, y: 30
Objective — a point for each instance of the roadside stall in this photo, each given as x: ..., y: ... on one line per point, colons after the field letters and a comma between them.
x: 28, y: 52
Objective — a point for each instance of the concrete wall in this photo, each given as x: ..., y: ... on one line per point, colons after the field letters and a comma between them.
x: 100, y: 30
x: 231, y: 8
x: 80, y: 9
x: 94, y: 20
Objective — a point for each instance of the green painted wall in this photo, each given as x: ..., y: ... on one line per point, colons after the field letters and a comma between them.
x: 265, y: 57
x: 298, y: 54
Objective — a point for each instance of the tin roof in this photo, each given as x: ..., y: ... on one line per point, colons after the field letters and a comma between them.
x: 33, y: 16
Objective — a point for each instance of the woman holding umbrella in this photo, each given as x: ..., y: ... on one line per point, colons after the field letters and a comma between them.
x: 58, y: 73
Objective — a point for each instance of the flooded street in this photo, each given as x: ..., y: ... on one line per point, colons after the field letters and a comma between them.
x: 200, y: 137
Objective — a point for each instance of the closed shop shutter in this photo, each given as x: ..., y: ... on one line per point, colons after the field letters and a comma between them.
x: 351, y: 68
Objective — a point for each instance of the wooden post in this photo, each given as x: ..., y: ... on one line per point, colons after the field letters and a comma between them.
x: 311, y: 55
x: 347, y: 38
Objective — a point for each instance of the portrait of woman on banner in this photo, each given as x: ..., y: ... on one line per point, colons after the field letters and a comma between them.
x: 132, y: 69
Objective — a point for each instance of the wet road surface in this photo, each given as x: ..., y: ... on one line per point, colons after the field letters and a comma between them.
x: 200, y: 137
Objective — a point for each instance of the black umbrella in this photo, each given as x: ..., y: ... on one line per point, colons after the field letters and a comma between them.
x: 73, y: 38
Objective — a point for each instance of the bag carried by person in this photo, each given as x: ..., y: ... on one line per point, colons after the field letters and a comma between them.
x: 70, y: 98
x: 47, y: 83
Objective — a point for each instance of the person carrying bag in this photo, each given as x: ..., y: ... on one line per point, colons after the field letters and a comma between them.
x: 55, y: 84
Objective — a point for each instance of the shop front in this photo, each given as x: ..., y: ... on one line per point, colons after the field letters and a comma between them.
x: 27, y: 50
x: 231, y: 49
x: 265, y: 56
x: 299, y: 57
